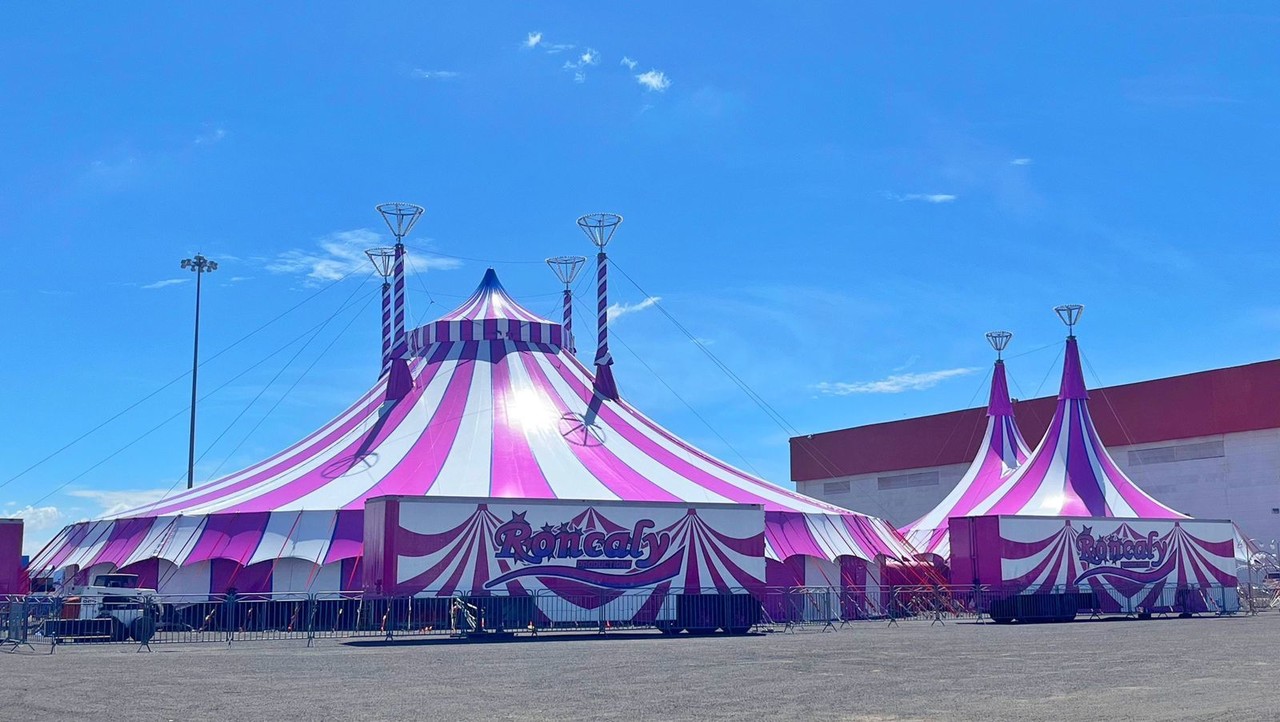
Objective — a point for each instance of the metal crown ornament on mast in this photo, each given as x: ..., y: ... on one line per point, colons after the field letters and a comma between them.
x: 566, y: 269
x: 600, y: 228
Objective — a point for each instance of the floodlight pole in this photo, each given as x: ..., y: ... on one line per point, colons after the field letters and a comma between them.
x: 198, y: 265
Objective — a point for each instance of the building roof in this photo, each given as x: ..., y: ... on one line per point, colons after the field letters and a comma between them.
x: 1207, y: 403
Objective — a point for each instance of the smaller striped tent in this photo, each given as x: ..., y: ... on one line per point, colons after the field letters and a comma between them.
x: 1070, y: 473
x: 1002, y: 450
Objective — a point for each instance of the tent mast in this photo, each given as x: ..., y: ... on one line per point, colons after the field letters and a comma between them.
x: 566, y: 269
x: 600, y: 228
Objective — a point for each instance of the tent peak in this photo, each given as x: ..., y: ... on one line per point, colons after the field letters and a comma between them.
x: 1072, y: 376
x: 999, y: 404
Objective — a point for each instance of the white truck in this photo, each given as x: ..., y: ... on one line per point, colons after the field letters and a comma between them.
x: 111, y: 609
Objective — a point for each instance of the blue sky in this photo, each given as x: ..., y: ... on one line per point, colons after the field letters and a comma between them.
x: 838, y: 199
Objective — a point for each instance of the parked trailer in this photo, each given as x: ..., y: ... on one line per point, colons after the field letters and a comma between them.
x: 499, y: 565
x: 1043, y: 568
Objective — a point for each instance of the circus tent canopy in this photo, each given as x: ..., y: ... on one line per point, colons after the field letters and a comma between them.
x: 1070, y: 473
x: 1002, y: 450
x: 485, y: 403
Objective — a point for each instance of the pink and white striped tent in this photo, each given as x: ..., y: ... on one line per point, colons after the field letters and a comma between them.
x: 1002, y: 450
x: 1070, y: 473
x: 484, y: 402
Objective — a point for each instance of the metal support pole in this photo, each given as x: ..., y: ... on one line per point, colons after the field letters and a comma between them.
x: 195, y: 370
x: 198, y: 265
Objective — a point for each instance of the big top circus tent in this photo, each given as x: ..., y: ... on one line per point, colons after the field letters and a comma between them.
x: 1001, y: 451
x: 487, y: 401
x: 1070, y: 472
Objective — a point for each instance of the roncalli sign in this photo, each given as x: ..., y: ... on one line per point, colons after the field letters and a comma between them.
x: 574, y: 549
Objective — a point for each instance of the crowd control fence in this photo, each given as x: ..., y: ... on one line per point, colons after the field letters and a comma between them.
x: 26, y: 621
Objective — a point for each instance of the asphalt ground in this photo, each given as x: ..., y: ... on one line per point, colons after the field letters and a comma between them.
x: 1204, y: 669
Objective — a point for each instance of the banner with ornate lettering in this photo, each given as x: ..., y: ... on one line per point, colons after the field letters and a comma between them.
x: 1131, y: 564
x: 585, y: 555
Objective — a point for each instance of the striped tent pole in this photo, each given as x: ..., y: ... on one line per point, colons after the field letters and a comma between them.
x: 568, y: 321
x: 566, y: 269
x: 603, y: 358
x: 383, y: 260
x: 600, y: 228
x: 386, y: 327
x: 400, y: 218
x: 397, y: 304
x: 604, y: 385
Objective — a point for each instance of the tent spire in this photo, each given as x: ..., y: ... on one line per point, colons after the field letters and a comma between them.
x: 999, y: 403
x: 1072, y: 376
x: 1001, y: 450
x: 600, y: 228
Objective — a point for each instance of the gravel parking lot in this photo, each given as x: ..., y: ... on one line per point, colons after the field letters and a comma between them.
x: 1207, y: 668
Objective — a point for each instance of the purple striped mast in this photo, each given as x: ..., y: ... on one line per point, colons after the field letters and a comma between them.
x: 383, y: 260
x: 566, y: 269
x: 400, y: 218
x: 600, y: 228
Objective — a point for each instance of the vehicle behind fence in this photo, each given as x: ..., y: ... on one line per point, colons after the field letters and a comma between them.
x: 230, y: 618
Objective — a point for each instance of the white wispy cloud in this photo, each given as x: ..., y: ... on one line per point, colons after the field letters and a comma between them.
x: 120, y: 500
x: 589, y: 57
x: 555, y: 48
x: 238, y: 279
x: 114, y: 174
x: 618, y: 310
x: 1020, y: 161
x: 533, y: 40
x: 37, y: 518
x: 631, y: 64
x: 166, y: 282
x: 435, y: 74
x: 39, y: 525
x: 654, y: 80
x: 340, y: 254
x: 908, y: 363
x: 925, y: 197
x: 893, y: 384
x: 213, y: 135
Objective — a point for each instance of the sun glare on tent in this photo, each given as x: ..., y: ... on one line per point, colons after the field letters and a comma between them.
x: 1055, y: 501
x: 529, y: 409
